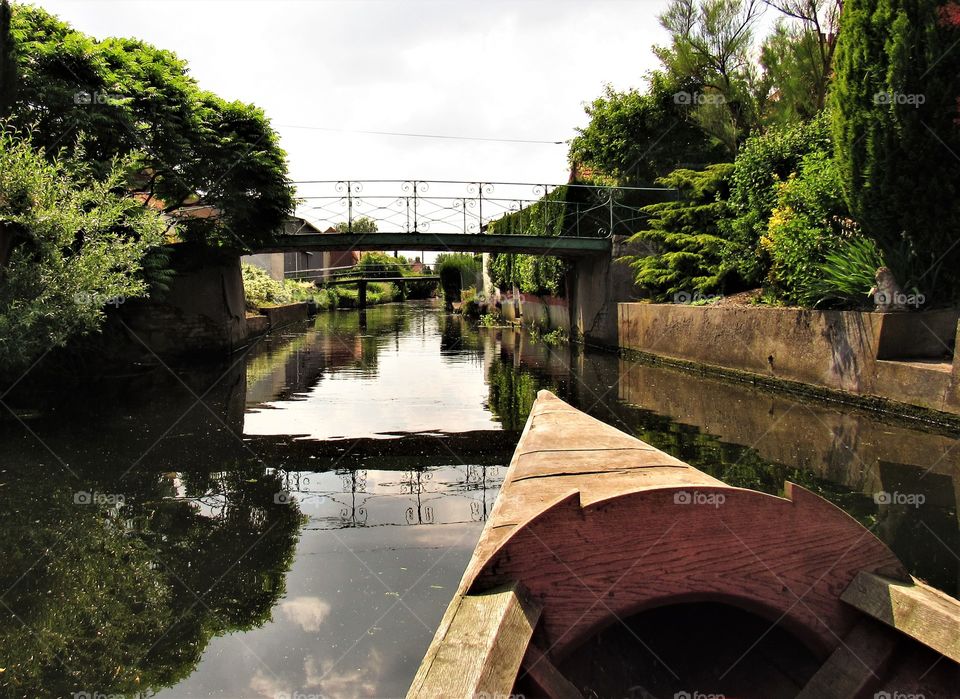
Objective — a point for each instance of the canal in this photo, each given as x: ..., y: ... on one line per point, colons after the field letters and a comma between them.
x: 294, y: 523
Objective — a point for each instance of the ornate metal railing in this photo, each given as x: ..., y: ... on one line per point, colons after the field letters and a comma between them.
x: 447, y: 206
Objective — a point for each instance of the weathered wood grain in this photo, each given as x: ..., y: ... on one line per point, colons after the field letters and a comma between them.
x: 597, y: 525
x: 913, y: 608
x: 858, y: 663
x: 548, y: 678
x: 482, y: 648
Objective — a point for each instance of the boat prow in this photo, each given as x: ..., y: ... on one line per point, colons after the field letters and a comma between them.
x: 609, y: 568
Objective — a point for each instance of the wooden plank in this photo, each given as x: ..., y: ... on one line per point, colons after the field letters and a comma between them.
x: 479, y: 651
x: 915, y: 609
x: 856, y: 664
x: 539, y: 667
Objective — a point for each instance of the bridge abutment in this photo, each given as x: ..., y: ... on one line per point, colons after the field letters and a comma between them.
x: 594, y: 287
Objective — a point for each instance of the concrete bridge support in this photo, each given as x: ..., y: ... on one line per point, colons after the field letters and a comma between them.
x: 203, y: 313
x: 594, y: 287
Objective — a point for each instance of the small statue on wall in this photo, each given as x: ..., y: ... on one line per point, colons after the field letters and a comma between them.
x: 886, y: 293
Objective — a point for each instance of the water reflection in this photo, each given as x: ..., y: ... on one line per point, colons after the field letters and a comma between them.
x: 297, y: 521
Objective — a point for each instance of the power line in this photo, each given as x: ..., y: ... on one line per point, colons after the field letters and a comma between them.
x: 421, y: 135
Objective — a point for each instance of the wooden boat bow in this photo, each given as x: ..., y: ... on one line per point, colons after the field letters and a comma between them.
x: 593, y: 526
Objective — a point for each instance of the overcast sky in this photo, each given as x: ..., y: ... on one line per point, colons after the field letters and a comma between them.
x: 495, y: 69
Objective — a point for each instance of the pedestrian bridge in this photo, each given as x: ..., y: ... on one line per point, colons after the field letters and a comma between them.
x: 570, y: 220
x: 586, y: 224
x: 442, y: 242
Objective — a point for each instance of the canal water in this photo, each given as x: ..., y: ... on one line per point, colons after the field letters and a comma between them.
x: 294, y: 523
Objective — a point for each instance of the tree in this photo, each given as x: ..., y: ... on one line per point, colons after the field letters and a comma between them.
x: 8, y: 63
x: 364, y: 224
x: 635, y: 137
x: 684, y: 236
x: 798, y: 57
x: 125, y: 95
x: 794, y: 73
x: 74, y: 245
x: 896, y: 129
x: 710, y: 47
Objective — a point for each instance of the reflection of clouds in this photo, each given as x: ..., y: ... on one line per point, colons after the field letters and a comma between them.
x: 452, y: 536
x: 347, y: 683
x: 306, y: 612
x: 412, y: 391
x: 268, y: 687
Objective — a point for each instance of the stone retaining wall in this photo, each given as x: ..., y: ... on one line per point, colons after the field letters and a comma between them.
x: 543, y: 312
x: 902, y: 357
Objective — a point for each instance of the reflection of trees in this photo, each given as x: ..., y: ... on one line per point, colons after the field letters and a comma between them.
x: 512, y: 392
x: 368, y: 330
x: 458, y: 335
x: 119, y: 599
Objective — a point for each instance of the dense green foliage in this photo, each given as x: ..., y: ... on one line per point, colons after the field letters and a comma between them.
x: 72, y: 245
x: 260, y: 289
x: 897, y: 132
x: 721, y: 94
x: 847, y: 273
x: 8, y: 61
x: 806, y: 223
x: 684, y: 242
x: 363, y: 224
x: 634, y: 137
x: 710, y: 46
x: 124, y: 96
x: 382, y: 264
x: 764, y: 161
x: 796, y: 62
x: 552, y: 215
x: 458, y: 271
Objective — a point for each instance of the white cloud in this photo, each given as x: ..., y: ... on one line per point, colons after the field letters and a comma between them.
x: 493, y: 69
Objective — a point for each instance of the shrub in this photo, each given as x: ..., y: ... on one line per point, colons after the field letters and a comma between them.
x: 308, y: 292
x: 458, y: 271
x: 684, y: 235
x: 382, y: 264
x: 421, y: 289
x: 847, y: 272
x: 70, y: 244
x: 550, y: 216
x: 805, y: 224
x: 471, y: 308
x: 762, y: 163
x: 260, y: 289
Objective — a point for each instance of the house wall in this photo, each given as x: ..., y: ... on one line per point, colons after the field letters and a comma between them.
x: 270, y: 262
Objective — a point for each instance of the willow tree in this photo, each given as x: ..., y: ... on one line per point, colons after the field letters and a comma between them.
x: 896, y: 130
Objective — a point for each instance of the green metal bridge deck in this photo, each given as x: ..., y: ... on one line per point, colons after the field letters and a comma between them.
x: 443, y: 242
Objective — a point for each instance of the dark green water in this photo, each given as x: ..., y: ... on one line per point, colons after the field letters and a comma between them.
x: 294, y: 523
